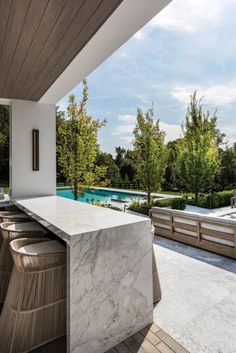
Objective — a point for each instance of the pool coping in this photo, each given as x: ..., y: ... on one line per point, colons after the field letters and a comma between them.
x: 126, y: 191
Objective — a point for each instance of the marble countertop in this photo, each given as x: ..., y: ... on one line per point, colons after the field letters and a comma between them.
x: 67, y: 218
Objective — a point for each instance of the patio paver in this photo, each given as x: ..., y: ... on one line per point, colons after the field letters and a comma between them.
x: 198, y: 306
x: 149, y: 340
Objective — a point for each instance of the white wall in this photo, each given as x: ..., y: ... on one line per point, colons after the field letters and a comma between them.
x: 26, y: 116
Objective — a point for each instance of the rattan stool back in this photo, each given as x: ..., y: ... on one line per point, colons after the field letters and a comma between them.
x: 34, y: 312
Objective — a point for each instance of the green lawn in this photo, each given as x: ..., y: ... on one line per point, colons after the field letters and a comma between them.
x: 176, y: 193
x: 5, y: 186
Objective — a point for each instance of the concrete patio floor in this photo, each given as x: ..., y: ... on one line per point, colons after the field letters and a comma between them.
x: 198, y: 306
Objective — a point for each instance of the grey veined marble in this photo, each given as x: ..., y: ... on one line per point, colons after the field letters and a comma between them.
x: 109, y: 270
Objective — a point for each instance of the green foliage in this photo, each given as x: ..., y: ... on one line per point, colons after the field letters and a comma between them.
x: 178, y: 204
x: 143, y: 207
x: 219, y: 199
x: 126, y: 163
x: 78, y: 147
x: 198, y: 158
x: 105, y: 205
x: 165, y: 202
x: 214, y: 199
x: 61, y: 126
x: 106, y: 159
x: 171, y: 179
x: 151, y: 153
x: 4, y: 142
x: 228, y: 167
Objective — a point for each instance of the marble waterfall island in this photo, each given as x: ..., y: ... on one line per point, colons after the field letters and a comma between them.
x: 109, y: 270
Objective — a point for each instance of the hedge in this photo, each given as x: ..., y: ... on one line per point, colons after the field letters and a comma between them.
x: 178, y: 204
x: 143, y: 207
x: 215, y: 200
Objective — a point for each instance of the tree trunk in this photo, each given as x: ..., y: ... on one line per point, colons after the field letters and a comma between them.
x: 75, y: 192
x: 196, y: 190
x: 149, y: 198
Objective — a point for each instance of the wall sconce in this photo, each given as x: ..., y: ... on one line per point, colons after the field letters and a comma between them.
x: 35, y: 150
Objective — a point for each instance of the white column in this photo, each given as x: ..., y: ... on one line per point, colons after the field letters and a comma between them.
x: 26, y: 116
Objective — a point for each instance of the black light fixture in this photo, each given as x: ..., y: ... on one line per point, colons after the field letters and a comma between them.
x: 35, y: 150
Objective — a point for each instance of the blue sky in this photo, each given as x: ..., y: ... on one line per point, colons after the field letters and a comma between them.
x: 190, y: 45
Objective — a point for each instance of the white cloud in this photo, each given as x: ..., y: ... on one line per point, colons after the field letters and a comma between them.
x: 124, y: 55
x: 139, y: 35
x: 172, y: 131
x: 124, y: 130
x: 190, y: 15
x: 219, y: 95
x: 127, y: 118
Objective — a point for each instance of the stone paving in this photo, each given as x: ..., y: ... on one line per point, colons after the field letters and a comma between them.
x: 152, y: 339
x: 198, y: 306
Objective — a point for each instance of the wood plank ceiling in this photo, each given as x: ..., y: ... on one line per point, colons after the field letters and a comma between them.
x: 39, y: 39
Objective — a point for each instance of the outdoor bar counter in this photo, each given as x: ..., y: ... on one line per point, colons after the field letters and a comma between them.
x: 109, y: 270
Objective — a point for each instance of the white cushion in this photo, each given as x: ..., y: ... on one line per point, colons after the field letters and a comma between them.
x: 46, y: 247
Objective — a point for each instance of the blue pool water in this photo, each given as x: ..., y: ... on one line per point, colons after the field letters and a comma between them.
x: 101, y: 195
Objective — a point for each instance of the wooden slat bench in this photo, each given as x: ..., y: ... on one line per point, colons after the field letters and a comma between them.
x: 214, y: 234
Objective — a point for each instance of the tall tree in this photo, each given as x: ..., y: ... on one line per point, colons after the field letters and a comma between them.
x: 150, y: 151
x: 61, y: 124
x: 79, y: 146
x: 126, y: 161
x: 120, y: 155
x: 171, y: 179
x: 198, y: 150
x: 106, y: 159
x: 228, y: 167
x: 4, y: 142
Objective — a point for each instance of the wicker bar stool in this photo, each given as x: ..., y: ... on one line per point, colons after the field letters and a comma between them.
x: 12, y: 208
x: 155, y: 277
x: 34, y: 312
x: 4, y: 214
x: 11, y: 231
x: 14, y: 217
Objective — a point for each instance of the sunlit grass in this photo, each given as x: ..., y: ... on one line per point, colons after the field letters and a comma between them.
x: 5, y: 186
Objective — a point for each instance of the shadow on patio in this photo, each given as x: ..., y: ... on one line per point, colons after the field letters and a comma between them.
x: 198, y: 306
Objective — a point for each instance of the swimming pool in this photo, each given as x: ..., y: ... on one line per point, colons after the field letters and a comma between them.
x: 93, y: 195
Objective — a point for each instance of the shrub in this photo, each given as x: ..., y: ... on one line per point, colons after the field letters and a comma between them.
x: 215, y: 199
x: 140, y: 207
x: 225, y: 197
x: 163, y: 202
x: 143, y: 207
x: 212, y: 200
x: 178, y: 204
x: 105, y: 205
